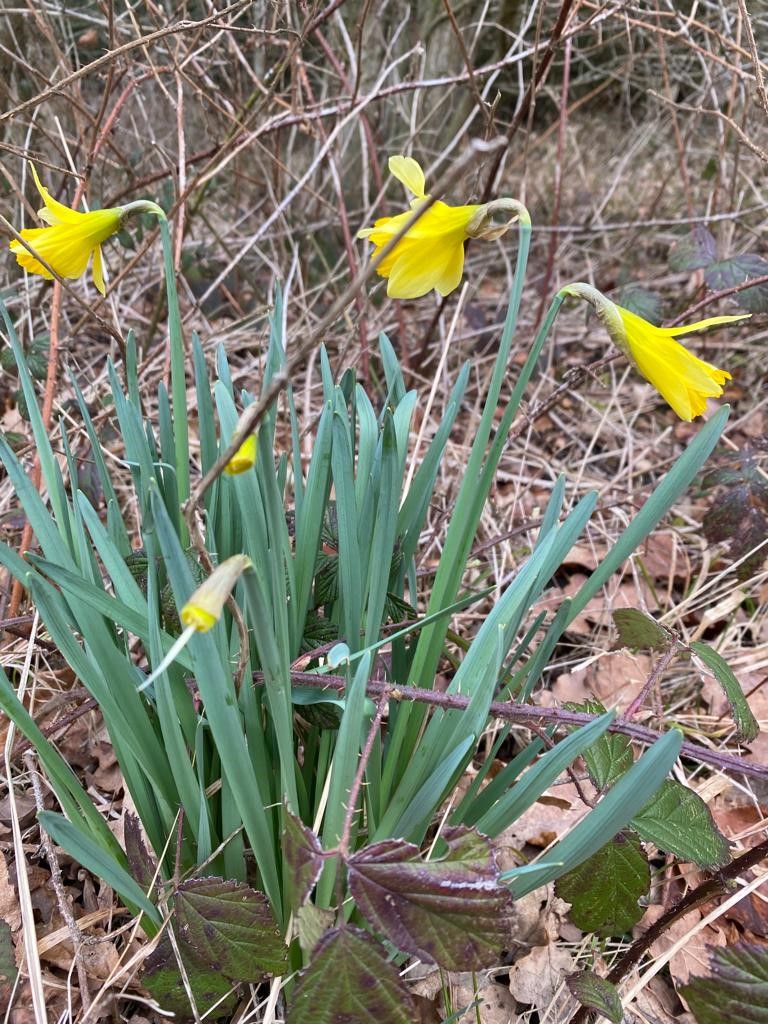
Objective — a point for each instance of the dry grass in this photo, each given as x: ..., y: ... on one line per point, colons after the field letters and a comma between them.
x: 265, y: 127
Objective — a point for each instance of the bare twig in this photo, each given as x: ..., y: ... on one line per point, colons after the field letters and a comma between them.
x: 523, y: 713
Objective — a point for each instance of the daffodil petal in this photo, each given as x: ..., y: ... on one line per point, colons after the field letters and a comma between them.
x: 703, y: 324
x: 416, y: 271
x: 681, y: 378
x: 451, y: 276
x: 53, y: 212
x: 67, y: 247
x: 25, y: 258
x: 98, y: 271
x: 409, y: 172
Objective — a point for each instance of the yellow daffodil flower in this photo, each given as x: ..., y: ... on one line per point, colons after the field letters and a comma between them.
x: 681, y: 378
x: 244, y: 458
x: 203, y: 610
x: 71, y: 238
x: 431, y: 253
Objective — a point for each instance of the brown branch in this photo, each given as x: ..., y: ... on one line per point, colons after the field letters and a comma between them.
x: 110, y: 55
x: 523, y: 110
x: 377, y: 689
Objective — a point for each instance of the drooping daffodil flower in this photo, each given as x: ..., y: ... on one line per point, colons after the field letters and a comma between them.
x: 203, y: 609
x: 70, y: 238
x: 431, y: 253
x: 681, y: 378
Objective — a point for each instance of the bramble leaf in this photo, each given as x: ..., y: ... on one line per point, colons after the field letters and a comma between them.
x: 163, y: 979
x: 8, y: 969
x: 603, y: 891
x: 641, y: 301
x: 640, y: 632
x: 678, y: 821
x: 746, y: 723
x: 698, y: 249
x: 311, y: 924
x: 231, y: 927
x: 738, y: 515
x: 737, y: 989
x: 304, y: 856
x: 596, y: 993
x: 611, y: 755
x: 727, y: 272
x: 452, y: 911
x: 350, y: 981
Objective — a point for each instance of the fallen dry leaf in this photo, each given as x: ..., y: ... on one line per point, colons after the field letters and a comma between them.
x: 537, y: 978
x: 9, y: 901
x: 495, y: 1002
x: 693, y: 957
x: 615, y: 679
x: 545, y: 821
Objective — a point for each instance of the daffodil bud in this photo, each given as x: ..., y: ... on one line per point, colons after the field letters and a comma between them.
x: 244, y: 458
x: 203, y: 610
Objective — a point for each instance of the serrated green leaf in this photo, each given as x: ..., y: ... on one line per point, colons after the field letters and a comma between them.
x: 611, y: 755
x: 311, y: 924
x: 745, y: 722
x: 451, y: 911
x: 604, y: 890
x: 303, y: 855
x: 210, y: 987
x: 678, y: 821
x: 736, y: 270
x: 230, y: 926
x: 611, y: 815
x: 640, y: 632
x: 736, y: 991
x: 596, y: 993
x: 350, y: 979
x: 641, y: 301
x: 698, y: 249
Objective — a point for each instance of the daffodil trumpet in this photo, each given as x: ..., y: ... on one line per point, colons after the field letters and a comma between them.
x: 64, y: 247
x: 681, y: 378
x: 203, y: 609
x: 423, y: 248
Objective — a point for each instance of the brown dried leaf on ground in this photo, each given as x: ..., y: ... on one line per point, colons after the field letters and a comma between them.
x: 658, y: 1002
x: 597, y: 613
x: 545, y: 821
x: 537, y: 979
x: 615, y: 679
x: 9, y: 901
x: 692, y: 957
x: 495, y: 1004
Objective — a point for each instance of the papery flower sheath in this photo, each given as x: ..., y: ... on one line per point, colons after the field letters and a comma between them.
x: 71, y: 238
x: 203, y: 610
x: 681, y: 378
x: 431, y: 253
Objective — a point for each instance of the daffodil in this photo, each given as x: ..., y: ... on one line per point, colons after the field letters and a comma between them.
x: 203, y: 610
x: 71, y: 238
x: 681, y: 378
x: 244, y: 458
x: 431, y: 252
